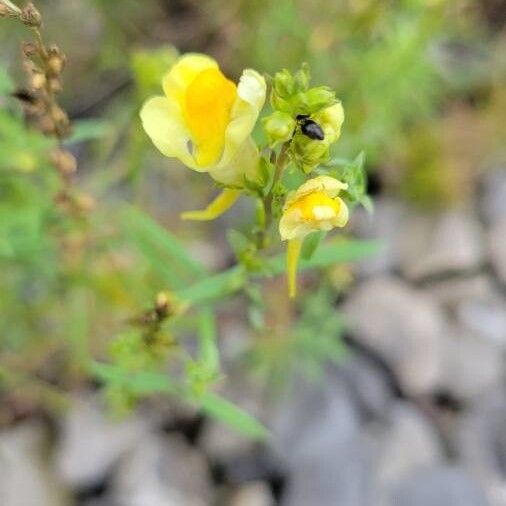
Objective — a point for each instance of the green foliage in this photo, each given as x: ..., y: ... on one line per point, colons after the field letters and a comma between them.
x: 113, y: 295
x: 354, y: 175
x: 313, y: 343
x: 378, y: 56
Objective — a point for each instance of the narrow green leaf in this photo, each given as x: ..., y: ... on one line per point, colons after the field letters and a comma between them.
x: 340, y: 250
x: 142, y: 383
x: 311, y: 243
x: 226, y: 412
x: 214, y: 287
x: 88, y: 129
x: 168, y: 256
x: 209, y: 355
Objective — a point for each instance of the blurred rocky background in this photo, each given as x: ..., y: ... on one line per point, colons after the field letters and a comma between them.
x: 411, y: 410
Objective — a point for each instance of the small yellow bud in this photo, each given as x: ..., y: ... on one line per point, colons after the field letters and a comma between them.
x: 64, y: 161
x: 38, y: 80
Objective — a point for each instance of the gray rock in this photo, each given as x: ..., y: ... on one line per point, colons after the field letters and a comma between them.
x: 162, y: 471
x: 494, y: 195
x: 476, y: 304
x: 316, y: 433
x: 404, y: 445
x: 222, y: 444
x: 312, y: 418
x: 253, y: 494
x: 452, y: 292
x: 439, y: 486
x: 383, y: 225
x: 497, y: 248
x: 91, y: 442
x: 440, y: 243
x: 471, y: 364
x: 368, y: 386
x: 340, y: 478
x: 26, y: 479
x: 486, y: 317
x: 403, y: 325
x: 481, y: 442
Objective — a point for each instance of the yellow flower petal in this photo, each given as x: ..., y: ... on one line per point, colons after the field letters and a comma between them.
x: 292, y: 261
x: 243, y: 165
x: 184, y: 71
x: 250, y: 100
x: 206, y: 121
x: 217, y: 207
x: 314, y: 206
x: 207, y: 107
x: 329, y: 185
x: 162, y: 121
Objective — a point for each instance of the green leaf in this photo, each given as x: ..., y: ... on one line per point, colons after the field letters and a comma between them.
x: 209, y: 355
x: 144, y: 383
x: 89, y: 129
x: 169, y: 258
x: 226, y: 412
x: 141, y: 383
x: 214, y: 287
x: 310, y: 244
x: 238, y: 242
x: 338, y: 250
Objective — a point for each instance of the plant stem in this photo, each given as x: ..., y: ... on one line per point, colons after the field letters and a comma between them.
x: 267, y: 201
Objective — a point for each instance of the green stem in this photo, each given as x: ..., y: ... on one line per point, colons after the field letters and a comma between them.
x: 268, y: 199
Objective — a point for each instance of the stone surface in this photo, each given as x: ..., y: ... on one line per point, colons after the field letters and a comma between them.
x: 494, y: 195
x: 403, y: 326
x: 312, y: 418
x: 486, y: 317
x: 471, y: 364
x: 26, y: 478
x: 481, y: 443
x: 497, y: 248
x: 339, y: 476
x: 162, y: 471
x: 367, y: 384
x: 440, y: 243
x: 91, y: 442
x: 450, y: 293
x: 316, y: 433
x: 440, y: 486
x: 383, y: 225
x: 405, y: 444
x: 221, y: 444
x: 253, y: 494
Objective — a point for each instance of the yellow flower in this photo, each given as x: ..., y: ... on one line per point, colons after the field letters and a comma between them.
x: 205, y: 120
x: 314, y: 206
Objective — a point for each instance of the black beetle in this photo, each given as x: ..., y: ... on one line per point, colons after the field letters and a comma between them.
x: 310, y: 128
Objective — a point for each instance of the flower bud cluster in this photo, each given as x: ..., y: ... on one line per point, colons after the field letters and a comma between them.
x: 309, y: 118
x: 44, y: 66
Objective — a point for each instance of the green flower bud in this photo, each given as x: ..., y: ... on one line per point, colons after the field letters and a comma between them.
x: 279, y: 127
x: 302, y: 78
x: 283, y: 83
x: 308, y: 153
x: 319, y: 98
